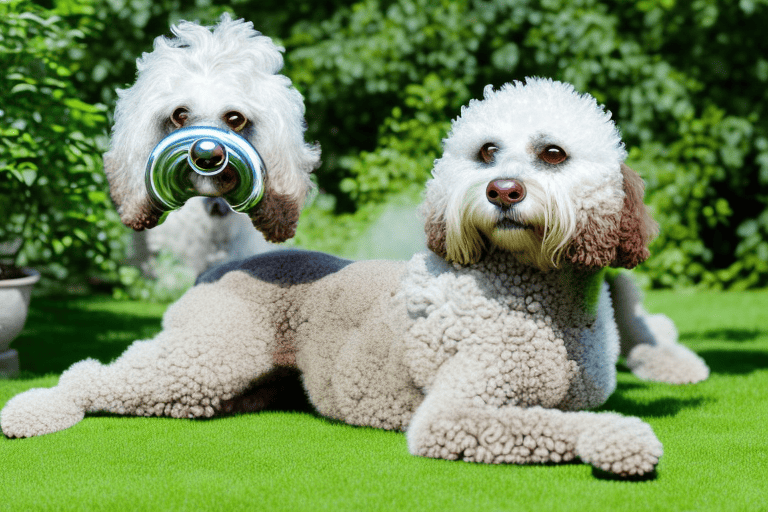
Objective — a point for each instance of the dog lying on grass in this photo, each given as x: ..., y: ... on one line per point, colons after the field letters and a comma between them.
x: 486, y: 349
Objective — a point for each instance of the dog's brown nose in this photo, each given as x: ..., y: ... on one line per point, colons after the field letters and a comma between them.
x: 207, y: 154
x: 505, y: 193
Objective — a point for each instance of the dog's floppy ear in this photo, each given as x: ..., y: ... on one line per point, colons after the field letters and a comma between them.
x: 287, y: 187
x: 125, y: 161
x: 131, y: 200
x: 619, y: 240
x: 637, y: 228
x: 447, y: 237
x: 276, y: 216
x: 290, y: 162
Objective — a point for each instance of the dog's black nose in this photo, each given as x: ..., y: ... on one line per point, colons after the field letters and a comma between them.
x: 505, y: 193
x: 207, y: 154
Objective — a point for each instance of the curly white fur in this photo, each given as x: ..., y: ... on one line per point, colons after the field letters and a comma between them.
x: 516, y: 118
x: 488, y: 361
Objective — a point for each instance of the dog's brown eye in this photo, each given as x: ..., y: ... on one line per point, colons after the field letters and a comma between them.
x: 487, y: 151
x: 180, y: 116
x: 553, y: 154
x: 235, y: 120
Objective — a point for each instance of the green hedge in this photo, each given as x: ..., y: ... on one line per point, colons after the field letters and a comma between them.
x: 53, y: 193
x: 686, y: 82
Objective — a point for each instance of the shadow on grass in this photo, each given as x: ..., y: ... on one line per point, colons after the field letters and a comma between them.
x: 620, y: 402
x: 58, y: 335
x: 660, y: 408
x: 735, y: 362
x: 605, y: 475
x: 732, y: 335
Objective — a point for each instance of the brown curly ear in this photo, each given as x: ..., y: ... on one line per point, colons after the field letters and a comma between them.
x: 595, y: 243
x: 619, y: 240
x: 276, y: 216
x: 637, y: 228
x: 434, y: 227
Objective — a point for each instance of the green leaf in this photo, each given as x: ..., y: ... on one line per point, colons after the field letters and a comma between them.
x: 19, y: 88
x: 79, y: 105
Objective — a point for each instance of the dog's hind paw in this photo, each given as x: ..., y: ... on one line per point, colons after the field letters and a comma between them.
x: 625, y: 446
x: 670, y: 363
x: 39, y: 411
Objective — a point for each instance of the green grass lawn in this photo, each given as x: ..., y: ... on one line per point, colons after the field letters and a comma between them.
x: 714, y: 434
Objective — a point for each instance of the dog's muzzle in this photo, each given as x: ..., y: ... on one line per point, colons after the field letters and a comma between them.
x: 205, y: 161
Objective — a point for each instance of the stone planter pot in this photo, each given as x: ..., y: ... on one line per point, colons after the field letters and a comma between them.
x: 14, y: 304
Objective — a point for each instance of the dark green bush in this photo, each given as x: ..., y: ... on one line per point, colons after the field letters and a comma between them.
x: 686, y: 82
x: 53, y: 194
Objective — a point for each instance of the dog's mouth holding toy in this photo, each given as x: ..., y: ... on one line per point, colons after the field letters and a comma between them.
x: 204, y: 161
x: 509, y: 224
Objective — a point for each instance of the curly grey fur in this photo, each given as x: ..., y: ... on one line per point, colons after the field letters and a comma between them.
x: 490, y: 360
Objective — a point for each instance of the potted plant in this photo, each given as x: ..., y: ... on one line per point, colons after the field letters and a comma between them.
x: 15, y: 292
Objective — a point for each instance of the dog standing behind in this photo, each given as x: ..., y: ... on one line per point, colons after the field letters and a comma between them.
x: 227, y: 78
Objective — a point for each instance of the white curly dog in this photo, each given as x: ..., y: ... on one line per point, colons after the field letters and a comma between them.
x: 484, y: 349
x: 226, y: 78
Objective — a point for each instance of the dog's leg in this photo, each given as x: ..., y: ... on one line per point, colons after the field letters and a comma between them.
x: 649, y: 342
x: 214, y: 343
x: 450, y: 424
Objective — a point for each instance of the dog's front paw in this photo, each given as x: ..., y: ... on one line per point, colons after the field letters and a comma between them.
x: 623, y: 446
x: 670, y: 363
x: 39, y: 411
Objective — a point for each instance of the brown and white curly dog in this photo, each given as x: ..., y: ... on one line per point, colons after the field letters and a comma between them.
x: 487, y: 348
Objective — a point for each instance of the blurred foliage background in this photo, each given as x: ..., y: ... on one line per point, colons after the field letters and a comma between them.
x: 686, y: 82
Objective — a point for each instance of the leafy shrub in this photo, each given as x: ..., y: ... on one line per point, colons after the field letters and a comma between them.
x: 52, y: 192
x: 686, y: 82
